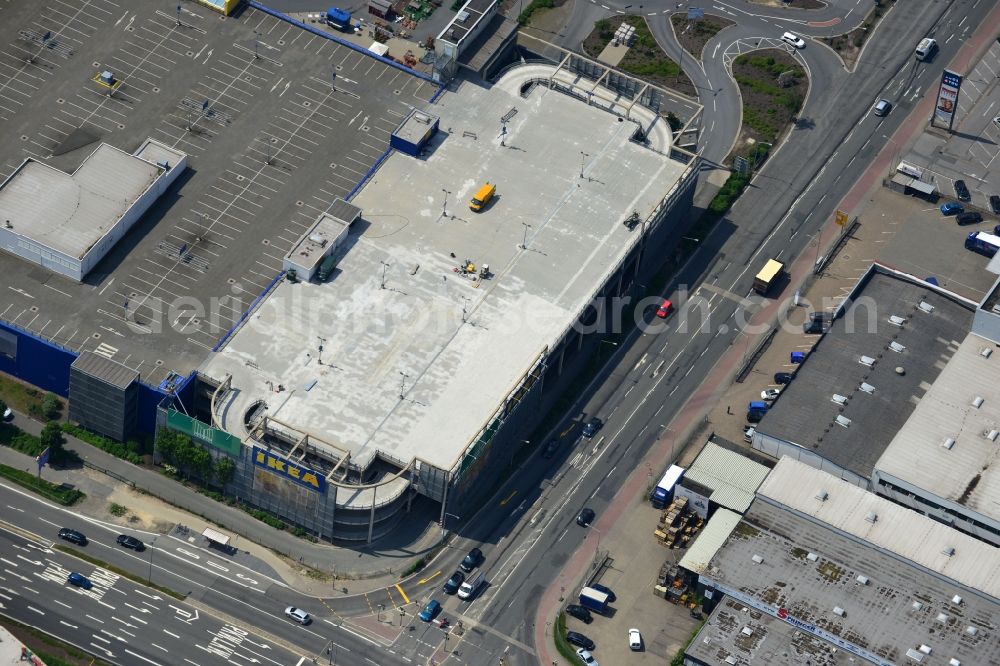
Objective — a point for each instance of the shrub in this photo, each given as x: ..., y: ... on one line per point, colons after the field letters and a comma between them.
x: 117, y: 509
x: 117, y: 449
x: 52, y: 406
x: 414, y: 568
x: 56, y: 493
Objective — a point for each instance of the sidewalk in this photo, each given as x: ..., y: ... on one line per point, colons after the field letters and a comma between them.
x: 281, y: 553
x: 715, y: 385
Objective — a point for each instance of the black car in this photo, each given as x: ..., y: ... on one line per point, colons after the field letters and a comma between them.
x: 961, y: 191
x: 131, y: 542
x: 592, y: 427
x: 455, y: 582
x: 472, y: 560
x: 551, y: 448
x: 754, y: 416
x: 585, y: 518
x: 814, y: 326
x: 783, y: 377
x: 968, y: 218
x: 580, y: 613
x: 578, y: 639
x: 73, y: 536
x: 995, y: 203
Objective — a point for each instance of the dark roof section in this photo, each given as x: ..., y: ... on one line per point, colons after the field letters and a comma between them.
x: 343, y: 211
x: 487, y: 43
x: 806, y: 413
x: 472, y: 13
x: 106, y: 370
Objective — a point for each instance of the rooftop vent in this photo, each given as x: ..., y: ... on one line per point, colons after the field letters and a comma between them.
x: 943, y: 619
x: 926, y: 307
x: 837, y: 610
x: 926, y: 649
x: 839, y: 399
x: 896, y: 347
x: 746, y: 631
x: 992, y: 435
x: 821, y: 495
x: 731, y: 659
x: 977, y: 402
x: 867, y: 360
x: 318, y: 239
x: 900, y: 370
x: 954, y: 662
x: 971, y: 631
x: 957, y: 600
x: 871, y: 517
x: 812, y: 557
x: 757, y: 559
x: 916, y: 605
x: 948, y: 443
x: 896, y: 320
x: 866, y: 387
x: 842, y: 420
x: 862, y: 579
x: 914, y: 655
x: 986, y: 352
x: 948, y: 550
x: 462, y: 17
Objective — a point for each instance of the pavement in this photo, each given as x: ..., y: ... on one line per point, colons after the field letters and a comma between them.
x: 164, y: 503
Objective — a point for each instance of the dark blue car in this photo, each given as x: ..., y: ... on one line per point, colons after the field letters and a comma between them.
x: 79, y: 580
x: 952, y: 208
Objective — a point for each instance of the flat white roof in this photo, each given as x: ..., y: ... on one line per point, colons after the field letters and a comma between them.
x: 710, y: 540
x: 69, y: 213
x: 969, y: 472
x: 417, y: 367
x: 733, y: 478
x: 316, y: 242
x: 896, y: 529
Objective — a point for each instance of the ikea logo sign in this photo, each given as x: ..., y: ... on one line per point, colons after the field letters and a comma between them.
x: 297, y: 473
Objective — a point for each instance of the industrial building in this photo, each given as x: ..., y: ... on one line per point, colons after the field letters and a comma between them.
x: 819, y: 568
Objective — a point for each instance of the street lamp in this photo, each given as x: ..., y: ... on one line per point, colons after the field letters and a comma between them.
x: 524, y: 241
x: 378, y: 617
x: 444, y: 519
x: 149, y: 577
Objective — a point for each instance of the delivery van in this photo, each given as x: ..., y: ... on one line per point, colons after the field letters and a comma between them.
x: 471, y: 585
x: 483, y: 197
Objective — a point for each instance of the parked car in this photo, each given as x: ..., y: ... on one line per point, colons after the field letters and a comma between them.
x: 127, y: 541
x: 770, y: 394
x: 783, y: 377
x: 592, y: 427
x: 298, y: 615
x: 585, y: 657
x: 580, y: 613
x: 73, y: 536
x: 794, y: 40
x: 754, y: 416
x: 882, y: 108
x: 585, y: 518
x: 430, y: 611
x: 452, y: 584
x: 995, y: 203
x: 968, y: 218
x: 551, y: 448
x: 472, y: 560
x: 79, y: 580
x: 612, y: 597
x: 748, y: 433
x: 952, y: 208
x: 962, y: 191
x: 634, y: 640
x: 996, y: 121
x: 665, y: 309
x: 815, y: 326
x: 578, y: 639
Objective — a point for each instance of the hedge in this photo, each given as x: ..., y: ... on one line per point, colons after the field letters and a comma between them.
x: 56, y: 493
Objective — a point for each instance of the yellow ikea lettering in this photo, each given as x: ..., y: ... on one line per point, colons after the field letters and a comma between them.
x: 311, y: 479
x: 293, y: 472
x: 260, y: 457
x: 276, y: 464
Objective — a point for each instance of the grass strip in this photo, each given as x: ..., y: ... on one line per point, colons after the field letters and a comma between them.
x: 57, y: 493
x: 564, y: 648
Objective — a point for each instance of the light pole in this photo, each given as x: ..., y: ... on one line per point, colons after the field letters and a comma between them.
x: 583, y: 160
x: 444, y: 520
x: 524, y: 241
x: 149, y: 577
x: 378, y: 617
x: 331, y: 652
x: 444, y: 207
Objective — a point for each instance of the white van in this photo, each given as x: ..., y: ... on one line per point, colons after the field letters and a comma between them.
x: 471, y: 585
x: 926, y: 49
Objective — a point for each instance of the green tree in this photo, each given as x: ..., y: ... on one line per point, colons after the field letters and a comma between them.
x: 201, y: 462
x: 52, y: 437
x: 225, y: 469
x: 51, y: 406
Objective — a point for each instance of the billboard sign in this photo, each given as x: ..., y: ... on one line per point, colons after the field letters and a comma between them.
x: 43, y: 459
x: 204, y: 433
x: 293, y: 471
x: 947, y: 99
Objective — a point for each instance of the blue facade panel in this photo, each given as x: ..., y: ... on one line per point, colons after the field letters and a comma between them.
x: 36, y: 361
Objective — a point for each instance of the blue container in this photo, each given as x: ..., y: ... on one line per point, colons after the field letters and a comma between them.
x: 797, y: 357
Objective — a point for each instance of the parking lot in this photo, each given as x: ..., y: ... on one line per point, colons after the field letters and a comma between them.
x: 276, y: 121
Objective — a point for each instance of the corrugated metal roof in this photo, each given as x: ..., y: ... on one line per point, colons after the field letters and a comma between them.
x: 969, y: 472
x: 733, y: 478
x: 896, y: 529
x: 343, y: 211
x: 69, y: 213
x: 712, y: 537
x: 105, y: 369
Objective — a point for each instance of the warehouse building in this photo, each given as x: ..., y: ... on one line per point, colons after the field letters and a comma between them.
x: 819, y: 567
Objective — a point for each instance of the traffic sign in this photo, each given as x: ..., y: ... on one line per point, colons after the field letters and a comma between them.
x: 840, y: 218
x: 695, y: 13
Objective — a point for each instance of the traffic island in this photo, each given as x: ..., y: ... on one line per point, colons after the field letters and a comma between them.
x: 692, y: 35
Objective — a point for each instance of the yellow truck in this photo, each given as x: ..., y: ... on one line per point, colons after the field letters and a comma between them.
x: 771, y: 274
x: 483, y: 197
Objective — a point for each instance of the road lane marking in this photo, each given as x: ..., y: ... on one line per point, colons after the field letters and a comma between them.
x: 509, y: 498
x: 429, y: 578
x: 399, y: 589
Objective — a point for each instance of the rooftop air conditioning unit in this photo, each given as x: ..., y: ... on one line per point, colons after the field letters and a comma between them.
x: 948, y: 550
x: 843, y: 421
x: 839, y: 399
x: 896, y: 347
x: 812, y: 557
x: 896, y: 320
x: 821, y: 495
x: 957, y: 600
x: 867, y: 360
x: 837, y: 610
x: 986, y: 352
x: 871, y: 517
x: 757, y: 559
x: 926, y: 307
x: 977, y: 402
x: 866, y: 387
x: 942, y: 618
x: 863, y: 580
x: 948, y: 443
x: 992, y: 435
x: 916, y: 605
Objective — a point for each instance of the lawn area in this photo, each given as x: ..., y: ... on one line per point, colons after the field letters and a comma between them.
x: 773, y: 87
x: 849, y: 45
x: 55, y: 492
x: 23, y: 398
x: 644, y: 58
x: 693, y: 35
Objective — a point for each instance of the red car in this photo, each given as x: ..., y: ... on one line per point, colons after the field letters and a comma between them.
x: 665, y: 309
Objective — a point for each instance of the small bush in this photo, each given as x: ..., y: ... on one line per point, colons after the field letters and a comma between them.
x: 117, y: 509
x: 52, y: 406
x: 127, y: 451
x: 414, y: 568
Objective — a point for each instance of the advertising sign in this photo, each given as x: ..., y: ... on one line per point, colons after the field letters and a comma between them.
x: 282, y: 467
x: 947, y: 99
x: 204, y: 433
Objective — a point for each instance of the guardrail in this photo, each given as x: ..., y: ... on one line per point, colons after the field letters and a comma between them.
x: 113, y: 475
